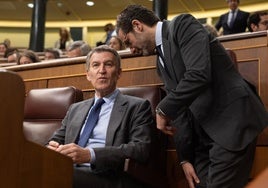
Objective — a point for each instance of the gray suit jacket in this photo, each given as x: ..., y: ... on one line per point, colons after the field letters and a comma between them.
x: 200, y: 77
x: 128, y: 134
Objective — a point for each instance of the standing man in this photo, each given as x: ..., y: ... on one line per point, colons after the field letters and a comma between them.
x: 122, y: 128
x: 258, y: 21
x: 234, y: 21
x: 215, y: 111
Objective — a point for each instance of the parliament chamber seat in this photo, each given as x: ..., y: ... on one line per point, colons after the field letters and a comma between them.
x: 152, y: 173
x: 24, y: 163
x: 45, y: 109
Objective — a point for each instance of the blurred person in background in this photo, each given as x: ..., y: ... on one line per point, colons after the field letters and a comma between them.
x: 116, y: 43
x: 27, y: 57
x: 51, y: 53
x: 78, y: 48
x: 258, y: 21
x: 211, y: 29
x: 3, y: 48
x: 65, y: 39
x: 110, y: 31
x: 12, y: 55
x: 7, y: 42
x: 234, y: 21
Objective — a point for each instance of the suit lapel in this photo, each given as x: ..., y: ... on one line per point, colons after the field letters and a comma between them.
x: 167, y: 52
x: 119, y: 109
x: 78, y: 121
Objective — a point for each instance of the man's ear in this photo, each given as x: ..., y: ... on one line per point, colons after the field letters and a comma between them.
x: 253, y: 27
x: 137, y: 25
x: 119, y: 73
x: 88, y: 76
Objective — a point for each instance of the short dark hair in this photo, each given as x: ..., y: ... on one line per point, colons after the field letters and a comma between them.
x: 132, y: 12
x: 255, y: 19
x: 104, y: 48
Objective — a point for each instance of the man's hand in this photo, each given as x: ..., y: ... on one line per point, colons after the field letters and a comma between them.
x: 76, y: 153
x: 53, y: 145
x: 190, y: 174
x: 163, y: 125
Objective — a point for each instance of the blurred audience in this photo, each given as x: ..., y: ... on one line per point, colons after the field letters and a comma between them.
x: 12, y: 55
x: 234, y: 21
x: 28, y: 57
x: 258, y: 21
x: 7, y: 42
x: 65, y: 39
x: 211, y: 29
x: 52, y: 53
x: 116, y: 43
x: 110, y: 31
x: 3, y: 48
x: 78, y: 48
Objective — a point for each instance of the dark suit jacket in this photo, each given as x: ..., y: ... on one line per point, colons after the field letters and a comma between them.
x: 240, y: 23
x: 128, y: 133
x: 201, y: 78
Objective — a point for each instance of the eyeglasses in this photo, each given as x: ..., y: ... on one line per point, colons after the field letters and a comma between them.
x: 264, y: 22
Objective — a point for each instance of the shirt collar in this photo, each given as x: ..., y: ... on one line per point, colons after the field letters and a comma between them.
x: 109, y: 98
x: 235, y: 11
x: 158, y: 34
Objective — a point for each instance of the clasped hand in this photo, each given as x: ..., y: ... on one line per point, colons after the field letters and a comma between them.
x: 76, y: 153
x: 164, y: 125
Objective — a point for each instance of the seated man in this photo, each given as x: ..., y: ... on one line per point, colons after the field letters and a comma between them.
x: 78, y: 48
x: 123, y: 130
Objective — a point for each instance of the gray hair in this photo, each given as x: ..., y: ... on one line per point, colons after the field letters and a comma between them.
x: 84, y: 47
x: 104, y: 48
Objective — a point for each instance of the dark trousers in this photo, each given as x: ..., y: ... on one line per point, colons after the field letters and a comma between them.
x: 220, y: 168
x: 84, y: 177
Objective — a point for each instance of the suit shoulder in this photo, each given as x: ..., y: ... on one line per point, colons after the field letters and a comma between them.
x: 80, y: 104
x: 244, y: 12
x: 134, y: 98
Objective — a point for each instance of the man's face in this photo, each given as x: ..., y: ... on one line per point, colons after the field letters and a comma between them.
x: 49, y: 55
x: 233, y: 4
x: 74, y: 53
x: 263, y: 24
x: 139, y: 41
x: 103, y: 73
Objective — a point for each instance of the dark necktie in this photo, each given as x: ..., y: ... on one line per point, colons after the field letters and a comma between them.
x: 232, y: 19
x: 160, y: 53
x: 92, y: 120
